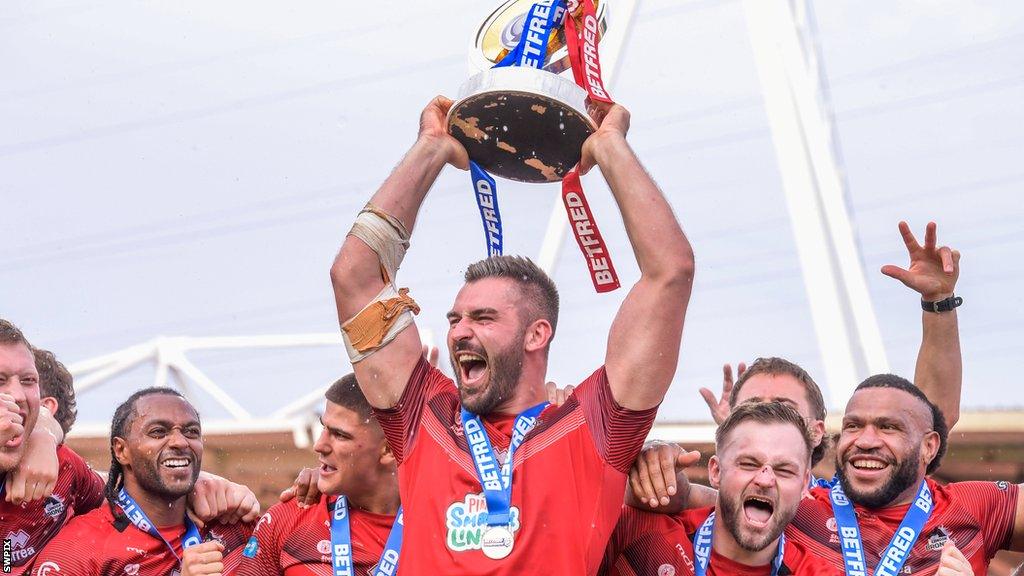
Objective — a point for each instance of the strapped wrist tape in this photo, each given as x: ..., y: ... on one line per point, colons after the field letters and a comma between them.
x: 385, y: 235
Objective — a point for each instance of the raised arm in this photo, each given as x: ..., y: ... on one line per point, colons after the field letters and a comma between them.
x: 643, y: 344
x: 358, y: 273
x: 933, y: 273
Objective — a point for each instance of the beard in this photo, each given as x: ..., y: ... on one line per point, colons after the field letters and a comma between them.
x: 729, y: 511
x: 903, y: 476
x: 147, y: 474
x: 504, y: 368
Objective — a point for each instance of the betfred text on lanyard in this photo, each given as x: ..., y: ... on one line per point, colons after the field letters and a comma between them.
x: 498, y: 540
x: 341, y: 543
x: 901, y: 544
x: 137, y: 516
x: 702, y: 548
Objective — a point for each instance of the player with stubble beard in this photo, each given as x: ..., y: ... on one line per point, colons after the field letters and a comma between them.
x: 485, y: 468
x: 761, y: 470
x: 156, y: 452
x: 886, y: 515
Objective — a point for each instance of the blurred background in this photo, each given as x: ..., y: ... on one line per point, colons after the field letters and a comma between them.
x: 175, y: 179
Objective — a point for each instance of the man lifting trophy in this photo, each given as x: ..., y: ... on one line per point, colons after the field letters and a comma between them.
x: 523, y: 121
x: 493, y: 479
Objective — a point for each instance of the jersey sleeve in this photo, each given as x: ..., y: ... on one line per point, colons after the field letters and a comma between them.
x: 994, y: 504
x: 618, y: 432
x: 64, y: 554
x: 261, y: 555
x: 87, y: 488
x: 401, y: 420
x: 641, y: 543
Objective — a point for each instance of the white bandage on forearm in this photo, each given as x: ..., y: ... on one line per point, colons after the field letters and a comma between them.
x: 376, y: 325
x: 385, y: 235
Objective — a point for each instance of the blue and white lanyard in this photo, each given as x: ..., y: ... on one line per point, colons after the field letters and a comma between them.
x: 902, y: 542
x: 822, y: 483
x: 544, y: 16
x: 496, y: 482
x: 138, y: 517
x: 702, y: 548
x: 341, y: 543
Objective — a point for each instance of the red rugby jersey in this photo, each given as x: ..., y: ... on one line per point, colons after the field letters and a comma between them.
x: 30, y: 526
x: 568, y: 481
x: 647, y: 543
x: 293, y: 541
x: 96, y: 543
x: 977, y: 516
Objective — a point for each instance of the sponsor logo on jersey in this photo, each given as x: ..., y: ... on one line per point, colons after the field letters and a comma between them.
x: 138, y: 551
x: 19, y: 548
x: 131, y: 569
x: 251, y: 547
x: 666, y: 570
x: 937, y: 539
x: 467, y: 521
x: 832, y: 525
x: 47, y: 568
x: 54, y: 506
x: 265, y: 518
x: 323, y: 546
x: 1003, y: 485
x: 685, y: 557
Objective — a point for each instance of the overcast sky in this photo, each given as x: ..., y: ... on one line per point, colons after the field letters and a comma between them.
x: 190, y: 168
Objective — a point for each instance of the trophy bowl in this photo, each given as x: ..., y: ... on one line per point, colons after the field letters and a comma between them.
x: 521, y: 123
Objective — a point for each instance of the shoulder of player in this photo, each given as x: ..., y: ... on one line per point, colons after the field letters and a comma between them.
x: 800, y: 561
x: 94, y: 527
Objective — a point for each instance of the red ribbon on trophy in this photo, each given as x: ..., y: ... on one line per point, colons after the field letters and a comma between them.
x: 522, y: 122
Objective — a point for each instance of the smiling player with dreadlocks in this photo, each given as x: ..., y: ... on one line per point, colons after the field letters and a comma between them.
x: 156, y: 449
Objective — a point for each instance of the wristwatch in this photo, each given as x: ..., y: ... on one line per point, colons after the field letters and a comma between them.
x: 942, y: 305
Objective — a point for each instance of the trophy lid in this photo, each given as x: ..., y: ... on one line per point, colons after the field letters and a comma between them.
x: 521, y: 123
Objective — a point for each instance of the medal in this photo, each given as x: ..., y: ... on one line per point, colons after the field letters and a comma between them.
x: 497, y: 542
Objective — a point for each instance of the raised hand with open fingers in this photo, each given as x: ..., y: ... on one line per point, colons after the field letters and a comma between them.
x: 933, y: 269
x: 556, y: 395
x: 719, y: 407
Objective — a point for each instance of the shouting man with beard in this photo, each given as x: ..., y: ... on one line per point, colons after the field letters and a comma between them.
x: 761, y: 469
x: 492, y: 480
x: 886, y: 516
x: 156, y: 450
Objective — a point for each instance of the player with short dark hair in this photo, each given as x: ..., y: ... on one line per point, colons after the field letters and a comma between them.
x: 358, y: 480
x: 156, y: 452
x: 56, y: 389
x: 892, y: 516
x: 29, y: 525
x: 493, y: 481
x: 761, y: 469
